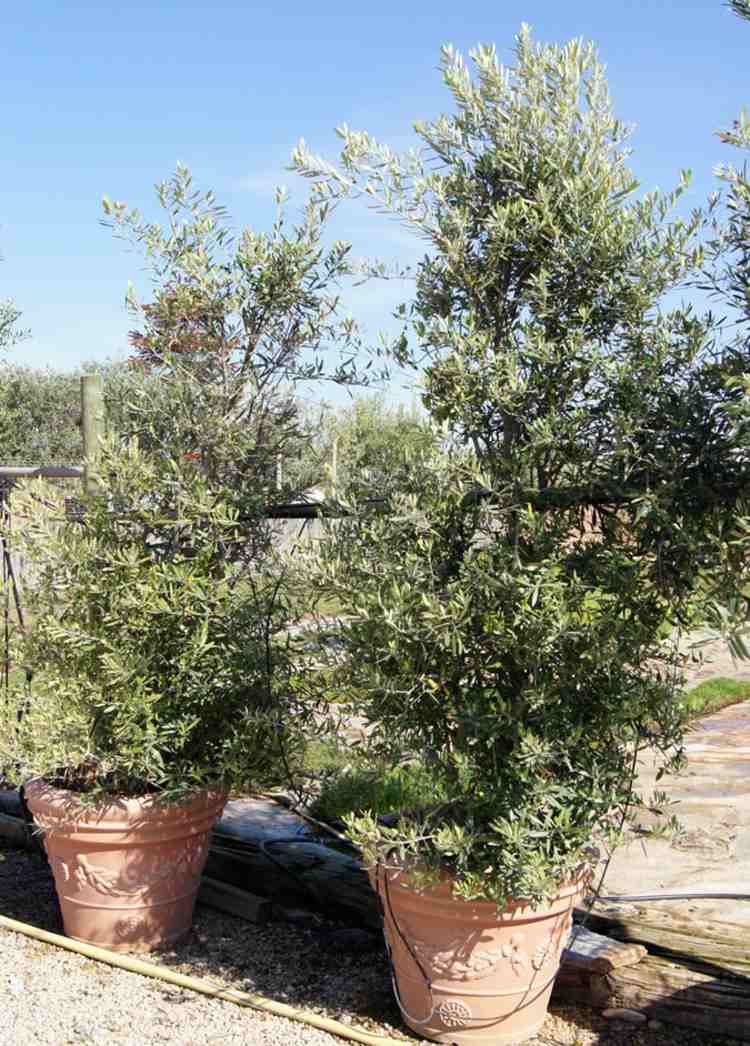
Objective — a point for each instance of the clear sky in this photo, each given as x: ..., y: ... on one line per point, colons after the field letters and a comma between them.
x: 105, y: 99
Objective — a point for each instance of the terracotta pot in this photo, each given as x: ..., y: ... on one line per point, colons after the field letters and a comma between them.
x: 127, y: 870
x: 464, y: 973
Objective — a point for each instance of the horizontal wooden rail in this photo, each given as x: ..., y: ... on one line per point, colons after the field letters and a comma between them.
x: 40, y: 472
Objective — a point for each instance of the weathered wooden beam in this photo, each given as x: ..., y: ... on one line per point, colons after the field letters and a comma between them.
x: 231, y: 899
x: 722, y: 943
x: 670, y: 991
x: 299, y: 872
x: 696, y: 975
x: 592, y: 952
x: 40, y: 472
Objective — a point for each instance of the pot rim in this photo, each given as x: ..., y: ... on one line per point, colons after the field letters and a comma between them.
x: 64, y: 806
x: 441, y: 893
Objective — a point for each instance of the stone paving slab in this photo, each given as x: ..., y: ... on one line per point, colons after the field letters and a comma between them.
x: 712, y: 802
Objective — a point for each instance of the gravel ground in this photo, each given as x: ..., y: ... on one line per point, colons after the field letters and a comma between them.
x: 53, y: 998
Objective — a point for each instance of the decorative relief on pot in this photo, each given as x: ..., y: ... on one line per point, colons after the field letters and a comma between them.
x: 550, y: 947
x: 62, y: 865
x: 516, y: 954
x: 544, y: 953
x: 133, y: 881
x: 53, y: 824
x: 454, y: 1013
x: 458, y: 963
x: 131, y: 927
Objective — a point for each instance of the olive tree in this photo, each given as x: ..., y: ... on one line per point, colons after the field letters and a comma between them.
x: 237, y: 321
x: 509, y: 616
x: 160, y: 644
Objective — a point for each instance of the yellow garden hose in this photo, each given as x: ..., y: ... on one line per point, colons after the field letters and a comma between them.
x: 196, y: 984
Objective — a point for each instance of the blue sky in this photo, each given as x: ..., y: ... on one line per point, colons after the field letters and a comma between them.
x: 98, y: 99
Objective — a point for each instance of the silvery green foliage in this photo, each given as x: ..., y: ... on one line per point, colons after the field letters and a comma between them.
x: 237, y: 321
x: 160, y: 649
x: 729, y: 278
x: 542, y: 261
x: 9, y: 332
x: 371, y: 440
x: 158, y: 663
x: 510, y: 615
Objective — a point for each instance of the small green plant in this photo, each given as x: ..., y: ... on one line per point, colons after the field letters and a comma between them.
x: 661, y: 824
x: 377, y: 790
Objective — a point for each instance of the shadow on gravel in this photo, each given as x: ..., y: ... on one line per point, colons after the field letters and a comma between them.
x: 331, y: 968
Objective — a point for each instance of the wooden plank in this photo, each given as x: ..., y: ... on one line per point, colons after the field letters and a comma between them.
x: 231, y: 899
x: 591, y: 951
x: 682, y: 995
x: 724, y: 944
x: 40, y: 472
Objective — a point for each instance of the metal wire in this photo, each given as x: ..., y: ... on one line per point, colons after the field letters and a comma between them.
x: 685, y: 895
x: 391, y: 964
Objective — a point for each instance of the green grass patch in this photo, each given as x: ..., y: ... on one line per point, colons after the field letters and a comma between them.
x: 326, y: 756
x: 715, y: 694
x: 327, y: 606
x: 380, y: 791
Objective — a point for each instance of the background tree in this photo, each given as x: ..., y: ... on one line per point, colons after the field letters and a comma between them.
x: 373, y: 440
x: 40, y: 410
x: 39, y: 416
x: 9, y: 333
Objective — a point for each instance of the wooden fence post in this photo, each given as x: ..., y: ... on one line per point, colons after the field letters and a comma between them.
x: 92, y: 425
x: 335, y: 461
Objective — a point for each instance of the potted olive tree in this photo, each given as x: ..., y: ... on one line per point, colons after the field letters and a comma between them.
x: 160, y: 656
x: 511, y: 615
x: 150, y: 698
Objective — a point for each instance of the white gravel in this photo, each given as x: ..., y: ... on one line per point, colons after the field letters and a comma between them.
x: 52, y: 997
x: 55, y: 998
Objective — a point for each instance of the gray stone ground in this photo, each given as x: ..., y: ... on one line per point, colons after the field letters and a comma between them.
x: 712, y: 803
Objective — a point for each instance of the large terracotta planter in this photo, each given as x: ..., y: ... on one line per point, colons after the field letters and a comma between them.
x: 464, y: 973
x: 127, y: 871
